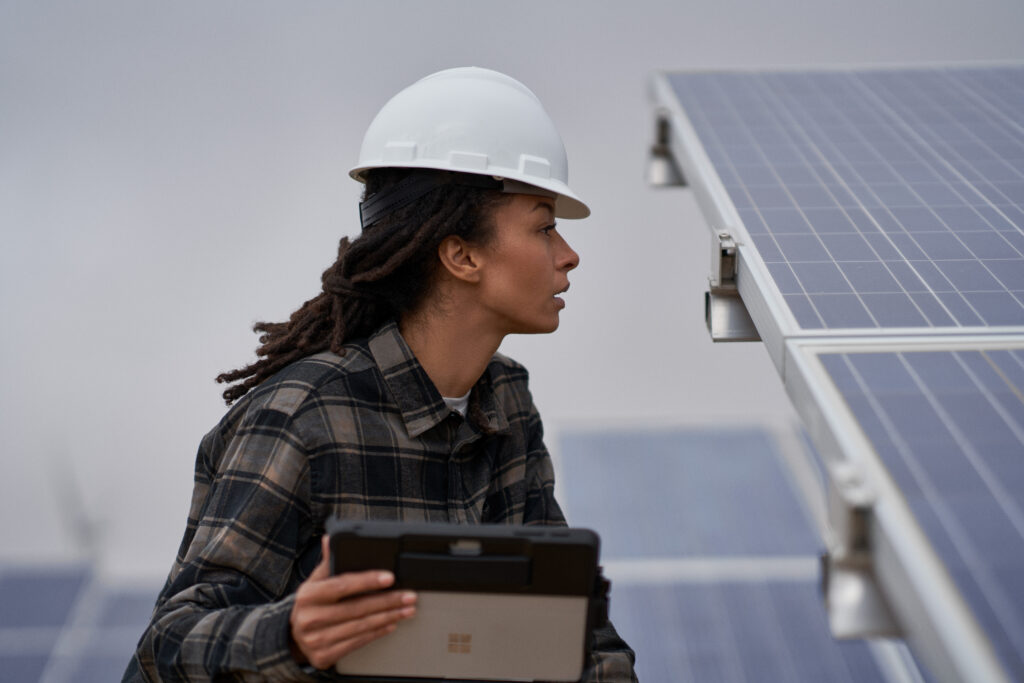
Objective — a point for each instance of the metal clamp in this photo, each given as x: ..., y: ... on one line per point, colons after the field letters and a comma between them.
x: 662, y: 169
x: 724, y: 312
x: 856, y: 606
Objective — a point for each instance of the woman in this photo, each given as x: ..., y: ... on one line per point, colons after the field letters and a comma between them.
x: 383, y: 397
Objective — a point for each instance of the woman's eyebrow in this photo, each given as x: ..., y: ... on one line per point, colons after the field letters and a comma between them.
x: 544, y: 205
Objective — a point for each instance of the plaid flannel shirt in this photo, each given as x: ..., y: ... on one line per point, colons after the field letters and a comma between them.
x: 364, y: 436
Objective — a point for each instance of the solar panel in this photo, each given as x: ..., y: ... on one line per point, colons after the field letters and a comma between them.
x: 949, y: 428
x: 879, y: 223
x: 875, y: 199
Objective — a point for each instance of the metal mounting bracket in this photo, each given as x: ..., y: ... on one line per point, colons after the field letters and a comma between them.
x: 724, y: 311
x: 662, y: 169
x: 856, y: 606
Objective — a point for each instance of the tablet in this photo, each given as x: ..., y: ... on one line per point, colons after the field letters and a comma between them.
x: 496, y: 602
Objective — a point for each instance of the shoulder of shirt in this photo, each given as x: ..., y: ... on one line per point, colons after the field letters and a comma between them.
x: 309, y: 378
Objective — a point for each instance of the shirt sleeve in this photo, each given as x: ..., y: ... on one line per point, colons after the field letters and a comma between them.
x: 611, y: 660
x: 224, y: 612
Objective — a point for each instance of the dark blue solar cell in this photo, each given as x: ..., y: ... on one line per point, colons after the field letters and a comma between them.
x: 848, y: 246
x: 757, y: 174
x: 886, y: 222
x: 802, y: 248
x: 870, y: 277
x: 958, y: 218
x: 997, y: 170
x: 811, y: 196
x: 932, y: 276
x: 795, y: 174
x: 804, y: 312
x: 770, y: 197
x: 933, y: 309
x: 1013, y: 191
x: 742, y: 154
x: 821, y: 278
x: 786, y: 222
x: 916, y: 219
x: 842, y: 310
x: 894, y: 309
x: 840, y: 372
x: 1010, y: 272
x: 937, y: 194
x: 940, y: 371
x: 917, y: 417
x: 948, y: 471
x: 987, y: 245
x: 883, y: 247
x: 864, y: 222
x: 752, y: 221
x: 959, y: 308
x: 884, y: 373
x: 914, y: 172
x: 784, y: 278
x: 1010, y: 367
x: 998, y: 217
x: 767, y: 247
x: 829, y: 220
x: 738, y: 196
x: 876, y: 174
x: 906, y: 246
x: 906, y: 276
x: 865, y: 196
x: 896, y: 196
x: 1014, y: 215
x: 996, y: 537
x: 968, y: 276
x: 728, y: 176
x: 941, y: 245
x: 997, y: 308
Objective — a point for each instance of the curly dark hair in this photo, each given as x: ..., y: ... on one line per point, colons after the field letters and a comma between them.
x: 387, y: 271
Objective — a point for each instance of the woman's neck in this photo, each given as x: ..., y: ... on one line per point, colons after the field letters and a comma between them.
x: 453, y: 350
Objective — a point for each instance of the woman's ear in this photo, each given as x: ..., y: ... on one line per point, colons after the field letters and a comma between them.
x: 460, y: 258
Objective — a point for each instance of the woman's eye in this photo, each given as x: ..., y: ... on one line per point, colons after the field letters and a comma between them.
x: 547, y: 229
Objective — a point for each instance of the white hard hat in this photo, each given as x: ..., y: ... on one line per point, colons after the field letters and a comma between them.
x: 477, y: 121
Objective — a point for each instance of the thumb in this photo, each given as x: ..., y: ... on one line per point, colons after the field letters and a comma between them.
x: 323, y: 570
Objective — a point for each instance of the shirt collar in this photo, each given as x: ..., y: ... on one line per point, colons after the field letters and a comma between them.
x: 416, y: 396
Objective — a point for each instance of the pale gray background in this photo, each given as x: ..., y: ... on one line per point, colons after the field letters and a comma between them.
x: 172, y: 172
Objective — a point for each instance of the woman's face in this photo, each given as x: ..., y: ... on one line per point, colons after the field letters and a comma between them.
x: 525, y: 267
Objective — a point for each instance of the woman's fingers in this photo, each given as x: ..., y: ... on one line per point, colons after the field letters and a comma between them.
x: 322, y: 569
x: 334, y: 588
x: 310, y: 616
x: 331, y: 637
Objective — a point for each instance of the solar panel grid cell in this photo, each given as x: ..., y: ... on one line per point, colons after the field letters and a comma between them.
x: 898, y: 170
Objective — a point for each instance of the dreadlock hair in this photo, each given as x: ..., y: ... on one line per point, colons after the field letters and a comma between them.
x: 387, y: 271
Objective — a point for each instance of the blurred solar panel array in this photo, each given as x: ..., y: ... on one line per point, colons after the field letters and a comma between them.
x: 712, y: 555
x: 880, y: 222
x: 61, y: 624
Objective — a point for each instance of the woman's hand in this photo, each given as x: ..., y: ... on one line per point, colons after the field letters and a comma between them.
x: 332, y: 616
